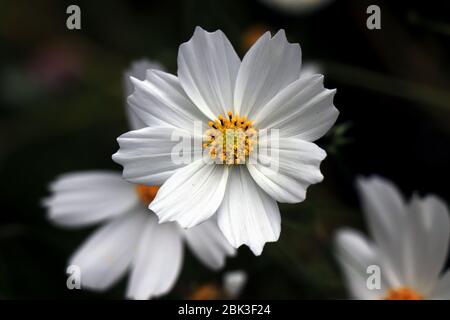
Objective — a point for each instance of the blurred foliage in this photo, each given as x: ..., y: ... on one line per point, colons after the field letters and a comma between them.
x: 61, y: 108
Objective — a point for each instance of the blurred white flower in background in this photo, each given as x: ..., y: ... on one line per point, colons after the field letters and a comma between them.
x: 234, y: 282
x: 297, y: 6
x: 131, y: 237
x: 214, y: 87
x: 410, y: 245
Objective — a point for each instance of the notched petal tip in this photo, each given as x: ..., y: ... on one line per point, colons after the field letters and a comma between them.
x: 281, y: 36
x: 281, y: 33
x: 317, y: 77
x: 331, y: 91
x: 322, y: 154
x: 116, y: 158
x: 320, y: 178
x: 265, y: 37
x: 199, y: 31
x: 257, y: 251
x: 135, y: 81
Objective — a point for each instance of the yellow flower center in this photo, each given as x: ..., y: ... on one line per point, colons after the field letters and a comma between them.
x: 146, y: 193
x: 230, y: 139
x: 403, y: 293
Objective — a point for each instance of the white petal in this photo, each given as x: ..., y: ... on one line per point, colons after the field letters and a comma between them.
x: 385, y: 212
x: 84, y: 198
x: 108, y: 253
x: 135, y: 122
x: 208, y: 243
x: 425, y: 242
x: 138, y: 70
x: 270, y: 65
x: 234, y: 282
x: 247, y: 214
x: 207, y: 68
x: 303, y: 110
x: 160, y: 100
x: 285, y: 171
x: 442, y: 289
x: 355, y: 255
x: 158, y: 260
x: 150, y: 155
x: 192, y: 194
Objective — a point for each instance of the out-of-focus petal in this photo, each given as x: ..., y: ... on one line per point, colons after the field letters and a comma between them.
x: 88, y: 197
x: 208, y: 244
x: 106, y: 255
x: 158, y: 260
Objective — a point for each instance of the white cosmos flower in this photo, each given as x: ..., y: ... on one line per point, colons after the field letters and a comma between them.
x: 131, y: 237
x: 264, y: 91
x: 410, y: 245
